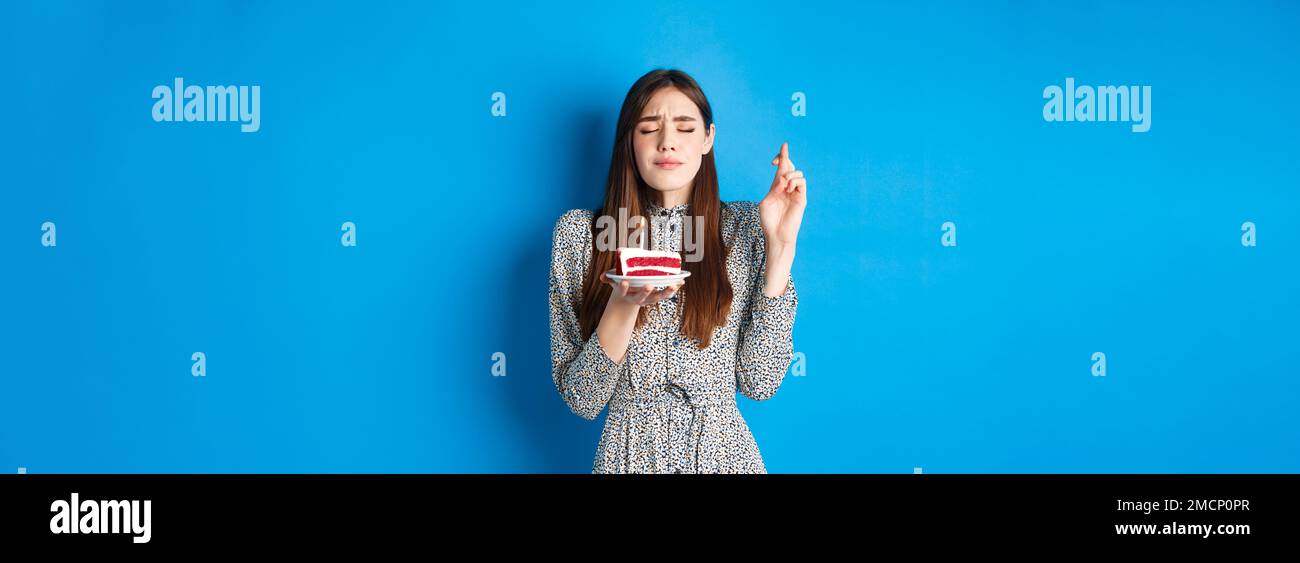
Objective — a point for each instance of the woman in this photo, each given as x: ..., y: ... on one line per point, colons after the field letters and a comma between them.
x: 668, y: 362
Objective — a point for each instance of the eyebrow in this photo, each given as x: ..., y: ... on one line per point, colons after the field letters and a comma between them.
x: 656, y: 118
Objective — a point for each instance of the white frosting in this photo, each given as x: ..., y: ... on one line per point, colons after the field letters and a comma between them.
x: 628, y: 253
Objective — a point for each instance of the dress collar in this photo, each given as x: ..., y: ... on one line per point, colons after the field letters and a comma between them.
x: 656, y: 209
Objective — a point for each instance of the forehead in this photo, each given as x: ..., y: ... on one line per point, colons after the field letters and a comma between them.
x: 671, y: 102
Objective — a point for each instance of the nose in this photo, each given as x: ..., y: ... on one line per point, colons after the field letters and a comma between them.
x: 668, y: 141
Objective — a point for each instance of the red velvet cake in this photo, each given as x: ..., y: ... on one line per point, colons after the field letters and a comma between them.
x: 633, y: 261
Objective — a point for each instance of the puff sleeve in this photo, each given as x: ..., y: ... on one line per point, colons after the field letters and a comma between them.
x: 766, y: 344
x: 584, y: 375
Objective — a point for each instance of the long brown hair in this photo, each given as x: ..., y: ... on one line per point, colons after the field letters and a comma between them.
x: 706, y: 297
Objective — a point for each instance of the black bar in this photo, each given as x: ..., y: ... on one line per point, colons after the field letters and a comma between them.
x: 324, y: 510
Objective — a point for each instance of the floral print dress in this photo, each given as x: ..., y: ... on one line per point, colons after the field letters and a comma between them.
x: 672, y: 406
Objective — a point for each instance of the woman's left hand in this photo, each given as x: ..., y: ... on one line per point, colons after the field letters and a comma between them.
x: 781, y: 211
x: 780, y: 214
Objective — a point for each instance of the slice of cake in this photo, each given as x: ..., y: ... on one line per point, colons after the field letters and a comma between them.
x: 634, y: 261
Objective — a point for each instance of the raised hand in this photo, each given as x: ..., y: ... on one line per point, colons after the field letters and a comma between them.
x: 781, y: 211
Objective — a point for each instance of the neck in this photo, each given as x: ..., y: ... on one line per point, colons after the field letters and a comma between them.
x: 674, y: 198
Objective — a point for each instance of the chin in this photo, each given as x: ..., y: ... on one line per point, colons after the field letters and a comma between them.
x: 658, y: 184
x: 662, y: 190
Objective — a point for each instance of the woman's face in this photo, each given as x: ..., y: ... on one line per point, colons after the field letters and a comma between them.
x: 670, y: 130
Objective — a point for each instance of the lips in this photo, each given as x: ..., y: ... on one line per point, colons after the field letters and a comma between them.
x: 667, y: 164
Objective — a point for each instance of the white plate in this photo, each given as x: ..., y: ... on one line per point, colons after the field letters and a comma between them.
x: 642, y: 281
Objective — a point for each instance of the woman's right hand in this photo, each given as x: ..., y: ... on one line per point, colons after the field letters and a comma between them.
x: 624, y: 294
x: 618, y: 322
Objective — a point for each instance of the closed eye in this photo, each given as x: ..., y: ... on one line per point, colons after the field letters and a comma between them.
x: 649, y: 131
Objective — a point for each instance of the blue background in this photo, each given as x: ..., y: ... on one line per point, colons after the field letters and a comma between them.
x: 1072, y: 238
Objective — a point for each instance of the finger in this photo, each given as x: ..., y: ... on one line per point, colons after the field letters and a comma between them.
x: 778, y: 186
x: 788, y: 173
x: 778, y: 183
x: 665, y: 293
x: 799, y: 185
x: 647, y: 295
